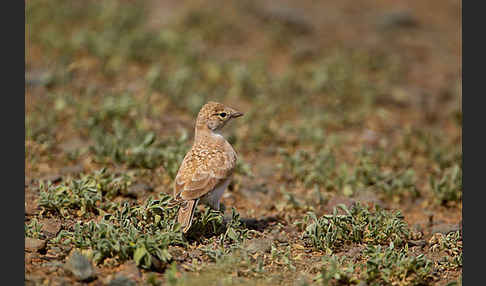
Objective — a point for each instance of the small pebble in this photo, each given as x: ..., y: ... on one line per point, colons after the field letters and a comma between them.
x: 121, y: 280
x: 34, y: 244
x: 80, y: 267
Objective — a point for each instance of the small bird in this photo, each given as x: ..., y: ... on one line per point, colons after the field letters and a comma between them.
x: 208, y: 166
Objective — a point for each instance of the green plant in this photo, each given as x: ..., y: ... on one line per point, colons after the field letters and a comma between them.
x: 142, y: 233
x: 208, y: 222
x: 368, y: 174
x: 85, y: 194
x: 390, y: 265
x: 336, y: 268
x: 33, y: 229
x: 74, y: 28
x: 119, y: 138
x: 356, y: 225
x: 449, y: 186
x: 309, y: 168
x: 451, y: 244
x: 211, y: 223
x: 282, y: 257
x: 236, y: 231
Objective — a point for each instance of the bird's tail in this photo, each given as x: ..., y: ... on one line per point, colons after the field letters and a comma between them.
x: 186, y: 213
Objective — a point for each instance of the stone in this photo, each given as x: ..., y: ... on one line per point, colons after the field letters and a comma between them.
x: 397, y: 19
x: 80, y: 267
x: 38, y: 77
x: 121, y: 280
x: 34, y: 244
x: 445, y: 228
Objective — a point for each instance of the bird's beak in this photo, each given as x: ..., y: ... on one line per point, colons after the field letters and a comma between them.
x: 236, y: 114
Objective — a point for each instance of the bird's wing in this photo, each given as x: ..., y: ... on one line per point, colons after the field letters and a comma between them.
x: 186, y: 214
x: 197, y: 177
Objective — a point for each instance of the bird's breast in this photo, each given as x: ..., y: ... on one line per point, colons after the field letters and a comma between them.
x: 214, y: 197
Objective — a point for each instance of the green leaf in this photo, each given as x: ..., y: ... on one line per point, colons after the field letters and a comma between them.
x: 139, y: 254
x: 149, y: 139
x: 232, y: 234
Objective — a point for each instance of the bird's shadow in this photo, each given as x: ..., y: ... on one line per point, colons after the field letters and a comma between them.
x: 197, y: 233
x: 259, y: 224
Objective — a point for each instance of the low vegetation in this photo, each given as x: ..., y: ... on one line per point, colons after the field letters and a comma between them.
x: 349, y: 153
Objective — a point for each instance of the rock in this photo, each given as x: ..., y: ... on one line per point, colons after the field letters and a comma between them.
x: 53, y: 252
x: 50, y: 227
x: 397, y: 19
x: 34, y: 244
x: 259, y: 245
x: 80, y: 267
x: 52, y: 264
x: 121, y: 280
x: 444, y: 228
x: 38, y: 77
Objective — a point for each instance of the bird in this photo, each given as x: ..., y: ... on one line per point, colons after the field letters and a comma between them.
x: 207, y: 168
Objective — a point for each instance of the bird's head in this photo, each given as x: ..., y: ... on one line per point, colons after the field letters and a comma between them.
x: 214, y: 116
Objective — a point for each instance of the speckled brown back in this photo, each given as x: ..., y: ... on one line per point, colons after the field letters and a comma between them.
x: 209, y: 162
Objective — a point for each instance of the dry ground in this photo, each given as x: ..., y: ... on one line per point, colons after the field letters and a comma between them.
x: 354, y: 103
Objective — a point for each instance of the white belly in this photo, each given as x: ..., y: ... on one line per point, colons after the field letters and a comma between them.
x: 212, y: 198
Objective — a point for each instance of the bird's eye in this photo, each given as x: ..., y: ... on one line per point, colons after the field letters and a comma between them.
x: 222, y: 114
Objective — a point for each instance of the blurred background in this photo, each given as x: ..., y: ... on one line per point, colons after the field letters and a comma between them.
x: 343, y: 100
x: 325, y: 86
x: 118, y: 82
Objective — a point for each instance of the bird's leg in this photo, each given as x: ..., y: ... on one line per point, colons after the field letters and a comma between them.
x: 222, y: 208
